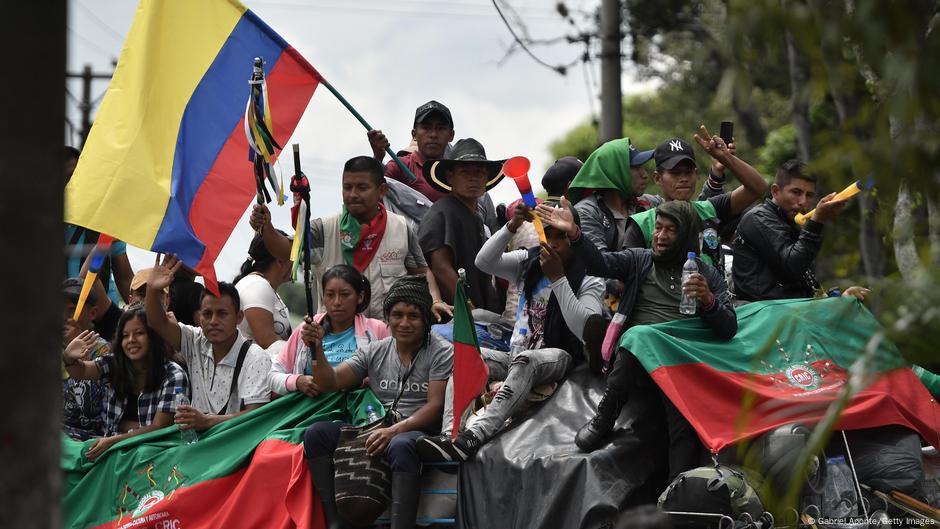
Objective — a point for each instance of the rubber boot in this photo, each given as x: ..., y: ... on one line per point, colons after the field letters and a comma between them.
x: 405, y: 493
x: 322, y: 473
x: 593, y: 435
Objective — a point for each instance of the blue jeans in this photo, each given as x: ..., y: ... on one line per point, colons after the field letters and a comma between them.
x: 321, y: 439
x: 487, y: 340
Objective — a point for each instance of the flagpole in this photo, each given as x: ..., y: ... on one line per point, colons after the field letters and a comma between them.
x: 305, y: 196
x: 362, y: 120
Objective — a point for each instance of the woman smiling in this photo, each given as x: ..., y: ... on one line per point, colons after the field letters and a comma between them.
x: 141, y: 381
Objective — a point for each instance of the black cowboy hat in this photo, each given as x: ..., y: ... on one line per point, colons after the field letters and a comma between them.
x: 466, y: 151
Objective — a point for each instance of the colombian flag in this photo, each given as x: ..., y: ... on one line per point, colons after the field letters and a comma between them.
x: 166, y: 165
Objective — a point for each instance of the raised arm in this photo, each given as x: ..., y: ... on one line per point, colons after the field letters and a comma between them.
x: 378, y: 142
x: 715, y: 184
x: 75, y: 357
x: 161, y: 277
x: 493, y: 257
x: 618, y: 265
x: 753, y: 186
x: 276, y: 242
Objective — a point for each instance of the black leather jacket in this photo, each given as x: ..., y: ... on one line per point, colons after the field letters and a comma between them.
x: 773, y: 257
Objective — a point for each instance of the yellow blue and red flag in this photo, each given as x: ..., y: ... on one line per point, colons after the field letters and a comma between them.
x: 166, y: 165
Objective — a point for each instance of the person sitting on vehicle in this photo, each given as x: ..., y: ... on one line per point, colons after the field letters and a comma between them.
x: 377, y: 242
x: 345, y: 295
x: 408, y: 373
x: 82, y: 400
x: 267, y: 320
x: 557, y: 298
x: 229, y: 374
x: 141, y: 382
x: 653, y: 290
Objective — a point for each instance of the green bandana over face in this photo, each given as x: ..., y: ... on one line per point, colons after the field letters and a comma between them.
x: 606, y: 168
x: 349, y: 231
x: 688, y: 224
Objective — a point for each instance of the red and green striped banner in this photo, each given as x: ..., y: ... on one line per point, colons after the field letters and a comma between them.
x: 787, y: 364
x: 470, y: 372
x: 245, y: 473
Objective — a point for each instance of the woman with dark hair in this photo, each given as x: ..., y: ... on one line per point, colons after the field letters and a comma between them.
x: 346, y: 295
x: 142, y: 383
x: 267, y: 320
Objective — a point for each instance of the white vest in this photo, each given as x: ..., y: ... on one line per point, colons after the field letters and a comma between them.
x: 387, y: 266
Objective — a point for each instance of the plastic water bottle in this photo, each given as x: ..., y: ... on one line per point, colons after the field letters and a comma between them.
x: 519, y: 342
x: 688, y: 303
x: 188, y: 436
x: 839, y: 497
x: 371, y: 415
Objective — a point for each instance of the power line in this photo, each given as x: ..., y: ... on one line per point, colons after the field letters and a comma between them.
x: 101, y: 23
x: 589, y: 84
x: 92, y: 44
x: 563, y: 70
x: 419, y: 11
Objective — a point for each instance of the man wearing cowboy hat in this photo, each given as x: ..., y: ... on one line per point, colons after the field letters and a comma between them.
x: 431, y: 134
x: 452, y: 232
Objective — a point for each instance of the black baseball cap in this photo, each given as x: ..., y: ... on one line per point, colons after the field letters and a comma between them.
x: 72, y: 288
x: 431, y: 107
x: 560, y: 174
x: 672, y: 151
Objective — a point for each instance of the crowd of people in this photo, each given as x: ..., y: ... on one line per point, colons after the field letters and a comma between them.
x: 387, y: 267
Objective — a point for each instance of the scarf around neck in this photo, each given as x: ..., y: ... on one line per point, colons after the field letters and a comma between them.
x: 360, y: 242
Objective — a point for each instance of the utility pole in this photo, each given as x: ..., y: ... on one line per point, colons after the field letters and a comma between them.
x: 86, y: 105
x: 611, y: 95
x: 31, y: 384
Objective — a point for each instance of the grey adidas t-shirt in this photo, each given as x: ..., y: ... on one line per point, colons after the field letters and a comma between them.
x: 380, y: 362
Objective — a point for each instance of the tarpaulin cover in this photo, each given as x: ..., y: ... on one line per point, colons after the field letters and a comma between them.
x: 533, y: 476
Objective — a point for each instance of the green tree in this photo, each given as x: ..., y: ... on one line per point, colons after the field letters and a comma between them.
x: 849, y: 85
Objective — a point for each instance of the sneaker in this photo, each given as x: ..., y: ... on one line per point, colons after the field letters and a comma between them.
x: 441, y: 449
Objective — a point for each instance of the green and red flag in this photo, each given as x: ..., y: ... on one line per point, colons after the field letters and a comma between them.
x: 788, y: 362
x: 470, y: 371
x: 247, y: 472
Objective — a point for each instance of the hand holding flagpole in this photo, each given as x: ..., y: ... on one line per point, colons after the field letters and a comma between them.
x: 259, y: 131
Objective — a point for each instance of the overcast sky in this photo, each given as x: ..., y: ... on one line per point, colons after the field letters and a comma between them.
x: 387, y: 57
